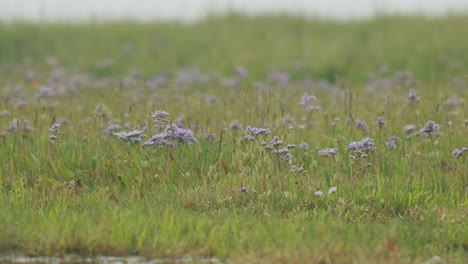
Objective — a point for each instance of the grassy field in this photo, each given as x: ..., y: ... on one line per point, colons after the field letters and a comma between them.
x: 214, y: 184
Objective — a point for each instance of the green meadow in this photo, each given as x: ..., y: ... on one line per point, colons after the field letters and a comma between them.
x: 227, y: 192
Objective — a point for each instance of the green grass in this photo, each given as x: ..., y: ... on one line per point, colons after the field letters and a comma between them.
x: 92, y: 194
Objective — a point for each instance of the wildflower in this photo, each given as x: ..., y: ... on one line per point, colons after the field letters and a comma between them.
x: 133, y: 137
x: 306, y: 99
x: 304, y: 146
x: 391, y: 144
x: 235, y: 125
x: 291, y: 146
x: 54, y: 128
x: 276, y: 141
x: 313, y: 108
x: 364, y: 145
x: 112, y: 126
x: 412, y: 98
x: 53, y: 137
x: 318, y: 193
x: 458, y: 152
x: 333, y: 190
x: 243, y: 189
x: 296, y: 169
x: 381, y: 122
x: 160, y: 117
x: 180, y: 122
x: 171, y: 136
x: 430, y: 127
x: 362, y: 125
x: 328, y: 152
x: 410, y: 128
x: 254, y: 131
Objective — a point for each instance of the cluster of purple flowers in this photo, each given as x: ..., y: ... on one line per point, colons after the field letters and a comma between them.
x: 55, y: 130
x: 459, y: 152
x: 134, y: 136
x: 412, y: 98
x: 160, y: 117
x: 391, y: 144
x: 410, y: 128
x: 328, y: 152
x: 297, y: 169
x: 365, y: 145
x: 254, y: 132
x: 305, y: 102
x: 430, y: 127
x: 171, y: 136
x: 361, y: 125
x: 304, y: 146
x: 380, y: 122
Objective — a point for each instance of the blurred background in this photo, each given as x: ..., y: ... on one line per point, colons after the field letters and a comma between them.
x: 192, y: 10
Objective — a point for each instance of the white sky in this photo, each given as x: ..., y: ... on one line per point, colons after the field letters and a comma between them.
x: 188, y: 10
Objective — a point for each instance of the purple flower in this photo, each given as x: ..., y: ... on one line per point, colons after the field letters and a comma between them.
x: 276, y: 141
x: 381, y: 122
x: 328, y: 152
x: 430, y: 127
x: 304, y: 146
x: 254, y: 131
x: 333, y: 190
x: 391, y: 144
x: 313, y: 108
x: 112, y: 126
x: 296, y: 169
x: 171, y: 136
x: 133, y: 137
x: 364, y: 145
x: 243, y: 189
x: 458, y: 152
x: 410, y: 128
x: 362, y: 125
x: 235, y: 125
x: 412, y: 98
x: 54, y: 128
x: 306, y: 99
x: 318, y: 193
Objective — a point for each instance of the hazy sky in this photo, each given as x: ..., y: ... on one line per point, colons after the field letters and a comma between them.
x: 82, y: 10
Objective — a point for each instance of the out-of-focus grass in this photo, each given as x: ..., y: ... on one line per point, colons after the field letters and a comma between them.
x: 432, y: 49
x: 90, y: 193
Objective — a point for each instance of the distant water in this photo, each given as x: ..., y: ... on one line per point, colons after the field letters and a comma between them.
x: 191, y: 10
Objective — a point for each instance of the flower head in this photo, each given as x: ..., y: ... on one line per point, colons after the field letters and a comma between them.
x: 328, y: 152
x: 430, y: 127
